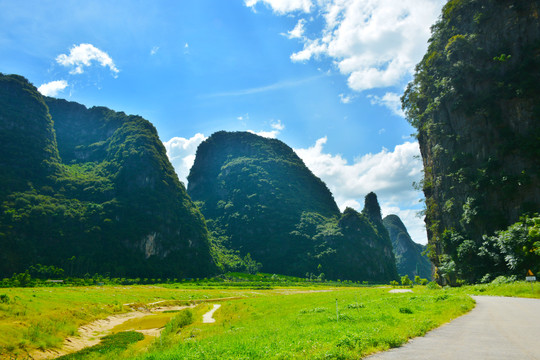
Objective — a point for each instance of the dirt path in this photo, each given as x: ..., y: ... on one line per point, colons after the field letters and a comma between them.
x: 91, y: 334
x: 208, y: 317
x: 498, y: 328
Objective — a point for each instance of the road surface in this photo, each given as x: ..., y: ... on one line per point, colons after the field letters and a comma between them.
x: 497, y: 328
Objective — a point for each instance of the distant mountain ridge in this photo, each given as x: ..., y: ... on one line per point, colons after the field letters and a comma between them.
x: 409, y: 255
x: 91, y: 190
x: 262, y: 200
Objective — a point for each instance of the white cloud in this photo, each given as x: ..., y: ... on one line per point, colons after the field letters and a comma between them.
x: 345, y: 99
x: 390, y: 100
x: 267, y: 134
x: 181, y: 153
x: 375, y: 43
x: 272, y: 87
x: 154, y: 50
x: 283, y: 6
x: 298, y: 31
x: 83, y: 55
x: 389, y: 174
x: 53, y: 88
x: 277, y: 125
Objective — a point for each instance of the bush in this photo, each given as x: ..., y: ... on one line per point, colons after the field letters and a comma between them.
x: 504, y: 280
x: 405, y: 281
x: 433, y: 286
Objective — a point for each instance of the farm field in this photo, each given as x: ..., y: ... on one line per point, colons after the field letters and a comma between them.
x: 280, y: 323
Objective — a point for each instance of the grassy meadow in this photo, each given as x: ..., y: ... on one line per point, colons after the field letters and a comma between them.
x: 41, y: 317
x: 281, y: 323
x: 341, y: 324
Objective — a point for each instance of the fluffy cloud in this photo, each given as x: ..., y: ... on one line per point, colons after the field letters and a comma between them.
x: 277, y: 127
x: 181, y: 153
x: 390, y: 100
x: 298, y: 31
x: 389, y: 174
x: 345, y: 99
x: 53, y: 88
x: 283, y: 6
x: 375, y: 43
x: 83, y: 55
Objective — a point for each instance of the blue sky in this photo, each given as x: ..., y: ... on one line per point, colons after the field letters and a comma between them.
x: 324, y: 76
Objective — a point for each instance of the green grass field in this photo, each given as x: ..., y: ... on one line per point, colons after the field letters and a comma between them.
x: 281, y: 323
x: 308, y: 326
x: 40, y: 318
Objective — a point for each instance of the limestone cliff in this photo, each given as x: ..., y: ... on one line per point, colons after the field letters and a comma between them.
x: 92, y: 191
x: 475, y: 101
x: 259, y: 196
x: 409, y: 255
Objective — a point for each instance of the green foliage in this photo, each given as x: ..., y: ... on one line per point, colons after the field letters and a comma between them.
x: 90, y: 191
x: 252, y: 267
x: 405, y: 281
x: 517, y: 247
x: 473, y: 102
x: 260, y: 199
x: 410, y: 259
x: 173, y: 328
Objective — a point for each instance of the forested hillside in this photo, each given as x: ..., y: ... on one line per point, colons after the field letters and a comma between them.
x: 91, y: 191
x: 410, y: 259
x: 261, y: 200
x: 475, y: 102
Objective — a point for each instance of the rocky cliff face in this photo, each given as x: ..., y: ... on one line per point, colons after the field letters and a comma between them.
x: 409, y: 258
x: 105, y: 199
x: 475, y: 102
x: 260, y: 196
x: 27, y: 139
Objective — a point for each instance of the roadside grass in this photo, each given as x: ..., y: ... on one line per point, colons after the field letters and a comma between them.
x: 307, y: 326
x: 513, y: 289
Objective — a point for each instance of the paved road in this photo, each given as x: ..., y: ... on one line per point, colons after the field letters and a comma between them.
x: 497, y: 328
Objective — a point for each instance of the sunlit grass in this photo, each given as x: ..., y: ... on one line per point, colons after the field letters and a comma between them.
x: 514, y: 289
x: 307, y: 326
x: 41, y: 318
x: 256, y: 324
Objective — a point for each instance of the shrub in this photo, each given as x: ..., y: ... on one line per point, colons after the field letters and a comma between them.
x: 504, y: 280
x: 405, y: 281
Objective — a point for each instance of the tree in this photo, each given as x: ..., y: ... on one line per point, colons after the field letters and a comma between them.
x: 252, y: 266
x: 405, y: 281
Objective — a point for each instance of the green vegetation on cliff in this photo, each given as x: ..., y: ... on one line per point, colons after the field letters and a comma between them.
x: 91, y: 190
x: 261, y: 200
x: 475, y: 102
x: 410, y: 259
